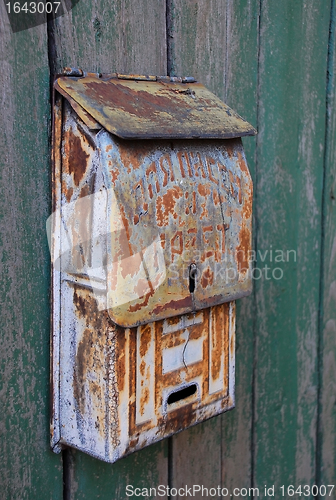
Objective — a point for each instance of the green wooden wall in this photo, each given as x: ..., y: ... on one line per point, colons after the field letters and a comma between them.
x: 274, y: 62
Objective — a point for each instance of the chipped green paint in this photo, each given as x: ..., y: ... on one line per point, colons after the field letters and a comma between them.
x: 28, y: 469
x: 291, y: 122
x: 327, y: 412
x: 268, y: 60
x: 221, y: 51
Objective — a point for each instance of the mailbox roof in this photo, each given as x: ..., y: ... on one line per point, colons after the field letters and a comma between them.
x: 154, y: 108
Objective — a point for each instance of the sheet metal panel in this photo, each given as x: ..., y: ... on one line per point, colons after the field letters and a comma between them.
x: 128, y: 219
x: 147, y: 109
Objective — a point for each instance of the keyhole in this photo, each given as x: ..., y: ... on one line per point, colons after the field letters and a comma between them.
x: 192, y: 277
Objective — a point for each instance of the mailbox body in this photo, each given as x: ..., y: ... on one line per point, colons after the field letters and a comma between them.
x: 142, y: 349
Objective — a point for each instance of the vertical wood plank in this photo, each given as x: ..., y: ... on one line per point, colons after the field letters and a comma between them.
x: 241, y: 72
x: 121, y: 36
x: 92, y: 479
x: 127, y: 37
x: 28, y: 469
x: 327, y: 428
x: 291, y: 120
x: 216, y: 42
x: 196, y: 459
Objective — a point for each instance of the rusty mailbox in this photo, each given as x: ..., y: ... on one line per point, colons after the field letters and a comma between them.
x: 150, y: 238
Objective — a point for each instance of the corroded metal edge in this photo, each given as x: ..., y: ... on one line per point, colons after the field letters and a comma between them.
x: 146, y: 108
x: 54, y: 238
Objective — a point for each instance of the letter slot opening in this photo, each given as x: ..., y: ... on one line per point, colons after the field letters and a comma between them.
x: 184, y: 393
x: 192, y: 277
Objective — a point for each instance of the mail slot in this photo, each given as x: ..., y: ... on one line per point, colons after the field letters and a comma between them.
x: 150, y: 238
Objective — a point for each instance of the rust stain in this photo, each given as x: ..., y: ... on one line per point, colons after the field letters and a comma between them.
x: 232, y: 346
x: 229, y: 149
x: 152, y: 170
x: 77, y: 157
x: 144, y: 303
x: 127, y: 227
x: 176, y: 244
x: 181, y: 418
x: 167, y: 420
x: 85, y: 191
x: 92, y: 364
x: 204, y: 190
x: 173, y: 339
x: 132, y: 101
x: 247, y: 208
x: 167, y: 171
x: 145, y: 339
x: 68, y: 192
x: 83, y: 351
x: 142, y: 368
x: 160, y: 109
x: 121, y: 359
x: 174, y: 304
x: 207, y: 277
x: 132, y: 156
x: 242, y: 164
x: 143, y: 400
x: 133, y: 443
x: 220, y: 315
x: 183, y: 162
x: 114, y: 174
x: 165, y: 205
x: 216, y: 198
x: 242, y: 251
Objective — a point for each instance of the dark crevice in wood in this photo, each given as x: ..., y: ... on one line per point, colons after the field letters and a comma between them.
x: 170, y: 38
x: 67, y: 458
x: 170, y: 465
x: 68, y: 469
x: 52, y: 53
x: 329, y: 109
x: 226, y: 63
x: 255, y: 222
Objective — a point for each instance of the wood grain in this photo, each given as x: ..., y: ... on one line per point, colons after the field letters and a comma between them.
x: 327, y: 429
x: 28, y: 469
x: 92, y: 479
x: 240, y: 92
x: 196, y: 458
x: 291, y: 123
x: 121, y: 36
x: 267, y: 60
x: 127, y: 37
x: 216, y: 42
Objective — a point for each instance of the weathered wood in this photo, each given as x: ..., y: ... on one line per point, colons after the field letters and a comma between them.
x: 216, y: 42
x: 92, y: 479
x: 122, y: 36
x: 327, y: 429
x: 291, y: 122
x: 28, y: 469
x: 127, y: 37
x: 196, y: 458
x: 240, y: 92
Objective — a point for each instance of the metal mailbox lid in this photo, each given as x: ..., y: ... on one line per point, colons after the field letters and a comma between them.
x: 154, y: 109
x: 173, y: 205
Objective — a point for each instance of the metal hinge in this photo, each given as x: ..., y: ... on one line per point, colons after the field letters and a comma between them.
x: 72, y: 72
x: 151, y: 78
x: 77, y: 72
